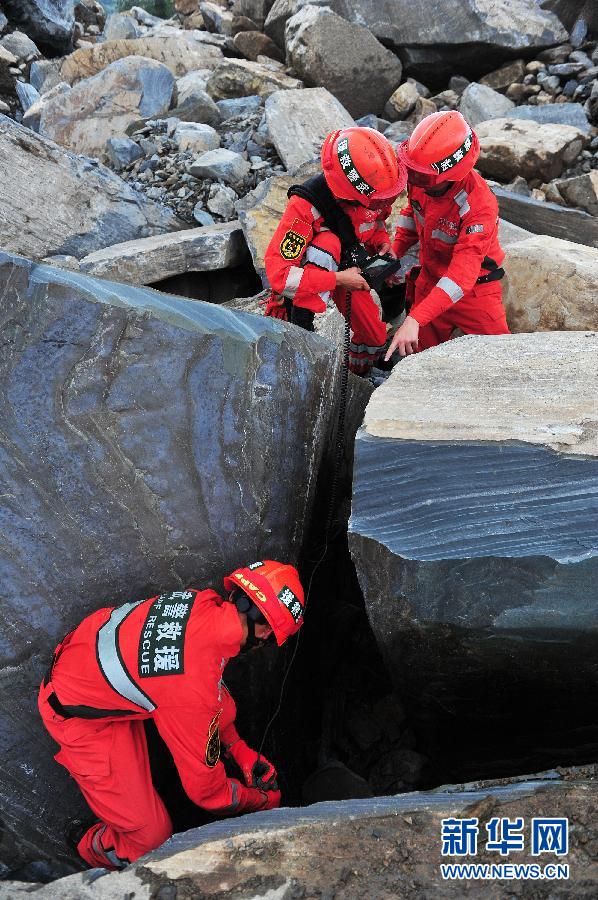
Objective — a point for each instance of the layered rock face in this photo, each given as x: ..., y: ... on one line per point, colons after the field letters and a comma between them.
x: 146, y: 440
x: 53, y: 202
x: 355, y: 849
x: 474, y: 532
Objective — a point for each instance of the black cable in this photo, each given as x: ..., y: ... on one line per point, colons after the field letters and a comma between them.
x: 338, y: 451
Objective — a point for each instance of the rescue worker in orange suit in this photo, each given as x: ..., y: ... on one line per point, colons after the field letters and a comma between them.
x: 163, y: 658
x: 361, y: 174
x: 454, y: 215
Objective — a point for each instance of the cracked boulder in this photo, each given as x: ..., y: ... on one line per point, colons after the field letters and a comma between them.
x: 474, y: 532
x: 53, y: 202
x: 356, y: 848
x: 146, y: 440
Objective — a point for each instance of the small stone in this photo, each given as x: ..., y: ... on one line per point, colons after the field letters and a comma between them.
x: 239, y: 106
x: 121, y: 152
x: 222, y: 201
x: 565, y: 70
x: 535, y: 66
x: 196, y: 137
x: 402, y: 102
x: 458, y: 83
x: 201, y: 216
x: 500, y: 79
x: 551, y: 84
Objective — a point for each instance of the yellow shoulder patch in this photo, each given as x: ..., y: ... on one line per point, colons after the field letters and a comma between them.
x: 213, y: 744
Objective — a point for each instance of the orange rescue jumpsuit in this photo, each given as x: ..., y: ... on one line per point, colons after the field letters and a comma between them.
x: 302, y: 259
x: 458, y: 236
x: 161, y: 658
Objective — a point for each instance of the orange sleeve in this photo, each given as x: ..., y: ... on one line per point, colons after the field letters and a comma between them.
x: 286, y: 250
x: 406, y: 234
x: 476, y: 236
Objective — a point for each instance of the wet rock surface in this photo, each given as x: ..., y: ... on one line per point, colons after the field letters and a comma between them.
x: 144, y: 479
x: 483, y: 610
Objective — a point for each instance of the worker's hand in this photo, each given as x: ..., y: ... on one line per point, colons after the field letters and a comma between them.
x: 257, y: 771
x: 352, y: 279
x: 383, y: 249
x: 271, y: 799
x: 405, y: 339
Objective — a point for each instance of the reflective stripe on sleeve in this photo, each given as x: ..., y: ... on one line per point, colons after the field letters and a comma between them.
x: 293, y: 281
x: 110, y: 662
x: 325, y: 296
x: 451, y: 288
x: 366, y: 226
x: 461, y: 199
x: 420, y: 218
x: 320, y: 258
x: 407, y: 222
x: 443, y: 236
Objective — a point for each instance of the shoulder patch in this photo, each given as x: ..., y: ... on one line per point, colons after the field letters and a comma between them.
x: 295, y: 240
x: 474, y: 229
x: 213, y: 742
x: 162, y: 639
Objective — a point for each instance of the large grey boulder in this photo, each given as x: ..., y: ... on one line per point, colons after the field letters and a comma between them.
x: 282, y: 10
x: 474, y: 532
x: 327, y: 51
x: 152, y: 259
x: 512, y: 147
x: 435, y: 38
x: 479, y: 103
x: 49, y: 22
x: 53, y: 202
x: 141, y: 437
x: 353, y: 849
x: 298, y: 122
x: 98, y: 108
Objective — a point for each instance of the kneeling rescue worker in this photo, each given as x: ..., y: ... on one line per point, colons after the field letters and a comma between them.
x: 324, y: 218
x: 163, y: 659
x: 454, y: 215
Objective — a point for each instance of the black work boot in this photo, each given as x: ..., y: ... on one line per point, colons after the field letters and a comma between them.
x: 304, y: 318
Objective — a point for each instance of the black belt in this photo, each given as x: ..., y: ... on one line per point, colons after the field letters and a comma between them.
x: 84, y: 712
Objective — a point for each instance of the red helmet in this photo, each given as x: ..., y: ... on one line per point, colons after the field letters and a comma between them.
x: 442, y: 146
x: 276, y: 590
x: 360, y: 164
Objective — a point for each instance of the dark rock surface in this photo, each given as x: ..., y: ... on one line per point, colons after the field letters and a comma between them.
x: 146, y: 440
x: 49, y: 22
x: 548, y: 218
x: 384, y: 848
x: 54, y: 202
x: 474, y: 532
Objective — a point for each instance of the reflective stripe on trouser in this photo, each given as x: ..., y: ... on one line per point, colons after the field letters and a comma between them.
x: 368, y: 331
x: 110, y: 763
